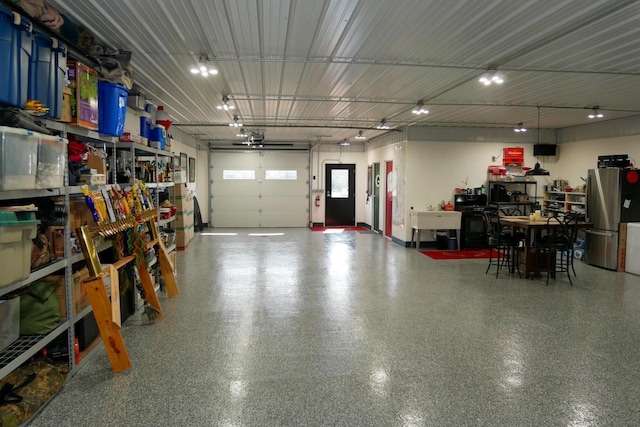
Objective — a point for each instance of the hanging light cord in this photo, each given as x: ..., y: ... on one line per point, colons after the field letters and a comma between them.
x: 537, y: 106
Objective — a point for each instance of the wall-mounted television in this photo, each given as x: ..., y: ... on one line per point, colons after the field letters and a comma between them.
x: 544, y: 149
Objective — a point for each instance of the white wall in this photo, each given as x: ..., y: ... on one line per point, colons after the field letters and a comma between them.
x: 383, y: 155
x: 434, y: 169
x: 321, y: 158
x: 575, y: 158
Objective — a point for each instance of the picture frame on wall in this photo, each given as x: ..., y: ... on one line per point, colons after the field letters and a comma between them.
x: 183, y: 161
x: 192, y: 169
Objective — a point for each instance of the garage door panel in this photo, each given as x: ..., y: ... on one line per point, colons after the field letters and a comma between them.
x: 235, y: 203
x: 239, y: 188
x: 288, y: 188
x: 259, y: 202
x: 283, y: 219
x: 284, y: 203
x: 239, y: 218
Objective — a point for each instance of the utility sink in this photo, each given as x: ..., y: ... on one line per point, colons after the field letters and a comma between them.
x: 434, y: 220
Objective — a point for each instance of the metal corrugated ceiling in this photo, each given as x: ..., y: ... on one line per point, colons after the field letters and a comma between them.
x: 309, y: 70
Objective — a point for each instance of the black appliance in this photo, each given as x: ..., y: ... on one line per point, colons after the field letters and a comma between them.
x: 473, y: 231
x: 499, y: 193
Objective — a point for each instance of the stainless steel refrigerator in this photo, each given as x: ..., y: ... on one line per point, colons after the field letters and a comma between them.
x: 613, y: 198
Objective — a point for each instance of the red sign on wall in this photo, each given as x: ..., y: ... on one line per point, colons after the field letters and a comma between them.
x: 513, y: 156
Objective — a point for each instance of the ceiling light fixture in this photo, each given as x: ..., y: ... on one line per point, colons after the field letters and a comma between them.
x: 383, y: 124
x: 595, y: 114
x: 242, y: 134
x: 344, y: 142
x: 202, y: 68
x: 235, y: 123
x: 492, y: 76
x: 225, y: 104
x: 420, y: 109
x: 520, y: 128
x: 360, y: 136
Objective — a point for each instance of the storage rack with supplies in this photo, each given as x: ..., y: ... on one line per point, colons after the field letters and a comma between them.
x: 519, y: 194
x: 125, y: 158
x: 28, y: 346
x: 560, y: 200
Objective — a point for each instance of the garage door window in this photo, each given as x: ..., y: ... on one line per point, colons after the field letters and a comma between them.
x: 238, y: 174
x: 281, y: 174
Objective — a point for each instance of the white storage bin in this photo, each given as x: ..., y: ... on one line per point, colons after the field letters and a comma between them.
x: 9, y: 322
x: 52, y: 159
x: 16, y: 231
x: 18, y: 159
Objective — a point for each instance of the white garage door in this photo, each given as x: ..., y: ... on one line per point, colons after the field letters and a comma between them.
x: 259, y: 189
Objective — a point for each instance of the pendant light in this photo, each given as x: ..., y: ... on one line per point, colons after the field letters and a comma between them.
x: 537, y: 169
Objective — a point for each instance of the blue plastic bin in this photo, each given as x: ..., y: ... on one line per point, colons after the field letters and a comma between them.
x: 158, y: 137
x: 15, y: 50
x: 145, y: 126
x: 112, y: 108
x: 47, y: 72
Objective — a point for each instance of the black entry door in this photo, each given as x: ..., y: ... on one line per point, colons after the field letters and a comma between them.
x: 340, y: 185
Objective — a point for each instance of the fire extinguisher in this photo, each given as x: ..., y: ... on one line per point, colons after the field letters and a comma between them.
x: 318, y: 201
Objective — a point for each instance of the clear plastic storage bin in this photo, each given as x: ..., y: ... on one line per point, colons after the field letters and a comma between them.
x: 18, y: 159
x: 52, y: 158
x: 16, y: 231
x: 9, y: 322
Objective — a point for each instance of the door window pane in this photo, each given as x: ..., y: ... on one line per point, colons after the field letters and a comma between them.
x: 339, y: 183
x: 238, y: 174
x: 281, y: 174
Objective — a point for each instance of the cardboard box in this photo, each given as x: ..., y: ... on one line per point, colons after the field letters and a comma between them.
x: 97, y: 179
x: 97, y: 163
x: 84, y: 105
x: 55, y: 235
x: 184, y: 203
x: 622, y: 246
x: 79, y: 213
x: 80, y: 298
x: 179, y: 190
x: 184, y: 237
x: 184, y: 219
x: 66, y: 105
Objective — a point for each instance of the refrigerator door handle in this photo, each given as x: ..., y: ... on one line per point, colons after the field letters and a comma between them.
x: 600, y: 233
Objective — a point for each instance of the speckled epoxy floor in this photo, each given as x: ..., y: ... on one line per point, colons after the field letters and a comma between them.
x: 312, y: 329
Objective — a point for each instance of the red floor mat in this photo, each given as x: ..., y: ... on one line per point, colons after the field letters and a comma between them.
x: 463, y: 254
x: 345, y: 228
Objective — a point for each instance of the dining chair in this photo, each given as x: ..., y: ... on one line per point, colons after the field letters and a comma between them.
x: 556, y: 245
x: 502, y: 241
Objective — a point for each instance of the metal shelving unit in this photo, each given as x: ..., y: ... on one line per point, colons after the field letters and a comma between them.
x: 27, y: 346
x: 525, y: 185
x: 35, y: 275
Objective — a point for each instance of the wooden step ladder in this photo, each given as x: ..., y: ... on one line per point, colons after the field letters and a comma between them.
x: 107, y: 311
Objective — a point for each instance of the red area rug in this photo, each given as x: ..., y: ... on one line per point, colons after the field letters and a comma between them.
x: 463, y: 254
x: 345, y: 228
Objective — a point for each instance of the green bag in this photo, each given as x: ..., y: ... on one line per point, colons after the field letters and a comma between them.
x: 39, y: 309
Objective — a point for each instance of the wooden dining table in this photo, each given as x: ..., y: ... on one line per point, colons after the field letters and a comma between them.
x: 532, y: 229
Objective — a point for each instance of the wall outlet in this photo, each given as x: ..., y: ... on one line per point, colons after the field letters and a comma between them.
x: 493, y: 158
